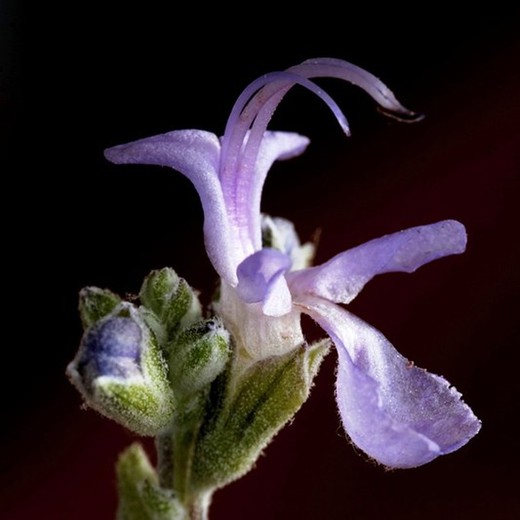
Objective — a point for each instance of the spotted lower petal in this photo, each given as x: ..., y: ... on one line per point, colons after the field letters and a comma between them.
x: 398, y: 414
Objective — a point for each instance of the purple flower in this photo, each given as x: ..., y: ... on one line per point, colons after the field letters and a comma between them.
x: 400, y: 415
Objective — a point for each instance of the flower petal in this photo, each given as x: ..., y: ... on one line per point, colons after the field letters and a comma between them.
x: 400, y: 415
x: 275, y: 146
x: 261, y: 279
x: 280, y: 234
x: 343, y: 276
x: 195, y: 154
x: 243, y: 189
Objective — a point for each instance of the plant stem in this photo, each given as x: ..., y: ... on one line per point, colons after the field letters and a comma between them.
x: 164, y: 448
x: 175, y: 453
x: 199, y: 507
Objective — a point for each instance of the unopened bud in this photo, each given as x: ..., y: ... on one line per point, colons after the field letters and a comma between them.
x: 120, y: 372
x: 171, y: 299
x: 198, y: 356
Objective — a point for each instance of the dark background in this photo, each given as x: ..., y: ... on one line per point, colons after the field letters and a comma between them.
x: 77, y: 78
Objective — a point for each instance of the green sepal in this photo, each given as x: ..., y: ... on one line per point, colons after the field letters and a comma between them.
x: 171, y: 298
x: 140, y: 495
x: 197, y: 356
x: 135, y: 406
x: 155, y: 325
x: 95, y: 304
x: 252, y: 412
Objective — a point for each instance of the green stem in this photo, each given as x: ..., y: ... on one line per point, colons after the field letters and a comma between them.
x: 176, y: 451
x: 164, y: 448
x: 199, y: 507
x: 183, y: 451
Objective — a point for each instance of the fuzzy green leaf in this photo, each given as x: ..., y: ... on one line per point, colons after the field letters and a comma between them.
x: 140, y: 496
x: 255, y: 408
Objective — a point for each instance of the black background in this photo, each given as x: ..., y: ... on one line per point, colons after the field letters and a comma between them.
x: 79, y: 77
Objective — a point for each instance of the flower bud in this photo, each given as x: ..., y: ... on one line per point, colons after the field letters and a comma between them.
x: 198, y: 355
x: 120, y: 372
x: 171, y: 299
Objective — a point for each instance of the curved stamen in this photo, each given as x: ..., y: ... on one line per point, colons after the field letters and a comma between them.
x: 235, y: 171
x: 248, y: 105
x: 250, y: 153
x: 253, y: 111
x: 322, y: 67
x: 250, y: 102
x: 317, y: 67
x: 341, y: 69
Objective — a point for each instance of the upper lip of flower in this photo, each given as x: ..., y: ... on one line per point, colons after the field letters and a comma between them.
x: 229, y: 174
x: 400, y: 415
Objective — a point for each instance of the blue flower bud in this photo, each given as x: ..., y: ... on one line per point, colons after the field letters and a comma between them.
x: 113, y: 348
x: 120, y: 371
